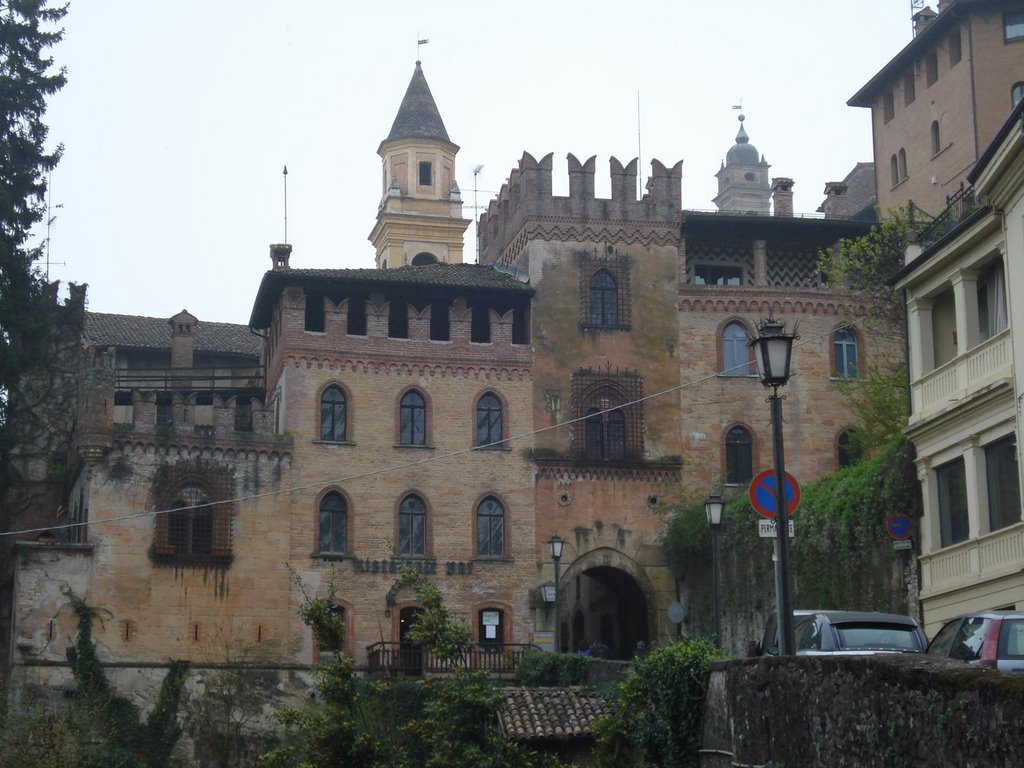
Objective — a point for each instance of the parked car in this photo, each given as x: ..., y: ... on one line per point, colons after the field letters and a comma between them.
x: 849, y: 633
x: 987, y: 638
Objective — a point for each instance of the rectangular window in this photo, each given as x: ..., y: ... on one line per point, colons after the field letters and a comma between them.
x: 931, y: 68
x: 426, y: 174
x: 1003, y: 483
x: 952, y: 487
x: 955, y: 51
x: 709, y: 274
x: 164, y: 411
x: 888, y: 106
x: 908, y: 89
x: 1013, y: 26
x: 992, y: 303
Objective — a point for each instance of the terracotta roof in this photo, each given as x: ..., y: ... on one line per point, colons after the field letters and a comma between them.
x: 550, y: 713
x: 134, y: 331
x: 418, y: 117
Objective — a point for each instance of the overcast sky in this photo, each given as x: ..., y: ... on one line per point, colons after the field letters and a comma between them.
x: 179, y: 116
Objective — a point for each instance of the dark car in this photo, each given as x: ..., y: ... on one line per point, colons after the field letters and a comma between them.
x: 987, y: 638
x: 848, y: 633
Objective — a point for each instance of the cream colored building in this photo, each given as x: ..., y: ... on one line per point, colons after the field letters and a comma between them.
x: 965, y: 415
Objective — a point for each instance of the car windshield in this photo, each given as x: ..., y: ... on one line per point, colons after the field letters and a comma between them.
x: 875, y: 635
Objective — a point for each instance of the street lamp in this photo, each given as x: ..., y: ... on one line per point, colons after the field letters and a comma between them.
x: 713, y: 506
x: 555, y: 544
x: 773, y: 350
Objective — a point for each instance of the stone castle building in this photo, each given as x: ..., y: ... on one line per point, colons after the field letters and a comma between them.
x: 447, y: 416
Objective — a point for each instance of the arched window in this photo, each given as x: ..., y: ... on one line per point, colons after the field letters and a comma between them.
x: 604, y: 299
x: 424, y: 258
x: 333, y: 523
x: 848, y: 451
x: 490, y: 528
x: 412, y: 419
x: 488, y: 420
x: 189, y: 524
x: 739, y: 457
x: 735, y: 350
x: 412, y: 526
x: 936, y: 138
x: 1016, y: 93
x: 903, y: 163
x: 333, y: 415
x: 894, y: 170
x: 605, y: 435
x: 844, y: 351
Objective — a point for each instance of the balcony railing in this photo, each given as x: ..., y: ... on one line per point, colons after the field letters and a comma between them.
x: 976, y: 560
x: 986, y: 363
x: 406, y: 660
x: 191, y: 379
x: 959, y: 206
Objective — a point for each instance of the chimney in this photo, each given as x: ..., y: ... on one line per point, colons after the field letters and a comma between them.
x: 922, y: 19
x: 279, y: 256
x: 782, y: 196
x: 942, y: 5
x: 835, y: 205
x: 182, y: 325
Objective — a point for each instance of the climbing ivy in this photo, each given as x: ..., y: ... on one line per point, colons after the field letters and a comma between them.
x: 841, y: 554
x: 129, y: 741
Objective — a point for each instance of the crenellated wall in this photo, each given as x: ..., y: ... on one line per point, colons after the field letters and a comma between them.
x: 528, y: 195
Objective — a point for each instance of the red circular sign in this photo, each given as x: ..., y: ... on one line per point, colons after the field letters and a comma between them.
x: 762, y: 493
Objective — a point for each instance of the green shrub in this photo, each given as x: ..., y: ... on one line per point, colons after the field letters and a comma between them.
x: 552, y: 669
x: 659, y: 710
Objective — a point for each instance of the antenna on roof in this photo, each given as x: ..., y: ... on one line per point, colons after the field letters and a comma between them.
x: 476, y: 212
x: 49, y: 222
x: 639, y: 152
x: 284, y: 174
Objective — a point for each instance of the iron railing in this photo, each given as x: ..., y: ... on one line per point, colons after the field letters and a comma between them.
x: 959, y: 206
x: 407, y: 660
x: 191, y: 379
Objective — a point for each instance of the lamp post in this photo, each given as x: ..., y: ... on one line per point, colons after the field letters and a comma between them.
x: 713, y: 505
x: 555, y: 544
x: 773, y: 350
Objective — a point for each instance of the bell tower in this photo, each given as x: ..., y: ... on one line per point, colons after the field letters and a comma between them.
x: 743, y: 183
x: 419, y: 220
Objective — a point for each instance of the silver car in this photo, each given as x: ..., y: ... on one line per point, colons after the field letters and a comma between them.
x: 848, y: 633
x: 987, y: 638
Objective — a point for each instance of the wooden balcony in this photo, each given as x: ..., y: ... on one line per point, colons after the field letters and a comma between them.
x: 982, y: 366
x: 406, y: 660
x: 974, y: 561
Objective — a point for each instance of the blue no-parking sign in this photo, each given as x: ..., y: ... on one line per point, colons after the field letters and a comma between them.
x: 762, y: 493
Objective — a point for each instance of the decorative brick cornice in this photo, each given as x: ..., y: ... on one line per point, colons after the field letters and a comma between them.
x: 406, y: 368
x: 704, y: 300
x: 571, y: 229
x: 649, y: 473
x: 221, y: 451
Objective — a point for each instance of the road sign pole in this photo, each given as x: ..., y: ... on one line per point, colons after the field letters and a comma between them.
x: 784, y: 590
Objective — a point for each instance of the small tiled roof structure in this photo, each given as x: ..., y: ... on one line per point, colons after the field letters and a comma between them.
x: 550, y: 713
x: 418, y: 117
x: 137, y: 332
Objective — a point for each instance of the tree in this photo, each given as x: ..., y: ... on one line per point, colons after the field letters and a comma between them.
x: 878, y: 396
x: 27, y: 306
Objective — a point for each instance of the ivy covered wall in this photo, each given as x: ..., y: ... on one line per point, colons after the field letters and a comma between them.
x: 841, y: 555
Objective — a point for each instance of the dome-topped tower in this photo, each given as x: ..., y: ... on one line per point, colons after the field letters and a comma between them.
x: 743, y: 183
x: 419, y: 220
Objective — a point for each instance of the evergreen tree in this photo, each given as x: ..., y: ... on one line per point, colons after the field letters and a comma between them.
x: 28, y: 29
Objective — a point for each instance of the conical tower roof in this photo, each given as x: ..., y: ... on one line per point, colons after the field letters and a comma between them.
x: 418, y: 117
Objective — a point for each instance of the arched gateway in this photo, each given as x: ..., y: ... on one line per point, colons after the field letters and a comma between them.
x: 608, y: 599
